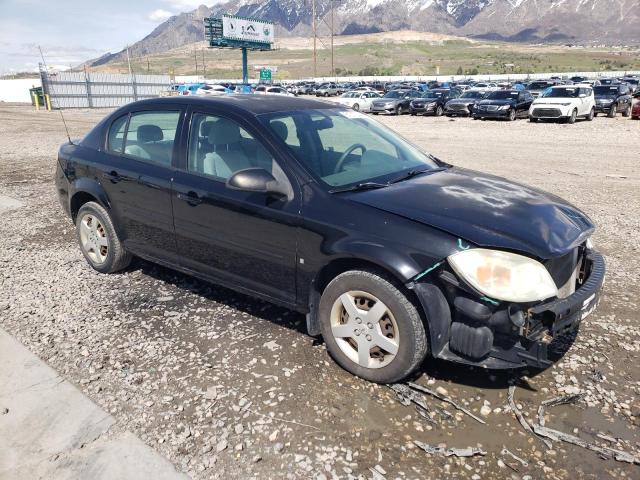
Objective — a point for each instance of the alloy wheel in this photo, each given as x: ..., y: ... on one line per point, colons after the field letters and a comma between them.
x: 93, y: 238
x: 365, y: 329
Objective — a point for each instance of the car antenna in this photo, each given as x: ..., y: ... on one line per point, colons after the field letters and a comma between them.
x: 46, y: 70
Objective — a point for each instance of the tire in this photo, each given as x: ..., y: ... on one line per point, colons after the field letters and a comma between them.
x: 612, y: 111
x: 533, y: 120
x: 439, y: 111
x: 595, y: 114
x: 476, y: 118
x: 413, y: 114
x: 572, y: 119
x: 591, y: 115
x: 401, y: 322
x: 356, y: 107
x: 512, y: 115
x: 101, y: 247
x: 396, y: 111
x: 627, y: 112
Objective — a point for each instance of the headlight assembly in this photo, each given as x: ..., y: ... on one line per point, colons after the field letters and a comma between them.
x: 504, y: 107
x: 503, y: 275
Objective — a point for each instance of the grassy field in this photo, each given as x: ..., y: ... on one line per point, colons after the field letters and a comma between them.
x: 373, y: 56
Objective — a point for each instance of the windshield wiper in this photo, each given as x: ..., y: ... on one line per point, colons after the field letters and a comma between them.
x: 359, y: 187
x: 416, y: 172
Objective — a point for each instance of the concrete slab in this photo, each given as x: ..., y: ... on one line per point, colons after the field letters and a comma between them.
x: 53, y: 431
x: 8, y: 203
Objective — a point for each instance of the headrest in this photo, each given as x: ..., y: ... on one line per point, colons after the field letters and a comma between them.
x: 280, y: 128
x: 205, y: 128
x: 149, y: 133
x: 224, y: 132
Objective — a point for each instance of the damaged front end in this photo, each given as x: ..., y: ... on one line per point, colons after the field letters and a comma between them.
x: 468, y: 326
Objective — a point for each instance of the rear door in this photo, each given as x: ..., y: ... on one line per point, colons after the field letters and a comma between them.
x: 137, y: 178
x: 242, y: 239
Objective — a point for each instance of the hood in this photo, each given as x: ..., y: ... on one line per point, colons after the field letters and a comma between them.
x: 486, y: 210
x: 496, y: 102
x: 463, y: 101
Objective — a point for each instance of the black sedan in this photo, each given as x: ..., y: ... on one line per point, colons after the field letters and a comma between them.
x: 432, y: 102
x: 389, y: 252
x: 506, y: 104
x: 463, y: 105
x: 612, y: 99
x: 394, y: 102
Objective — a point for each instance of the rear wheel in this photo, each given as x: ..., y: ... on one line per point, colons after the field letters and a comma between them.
x: 356, y: 107
x: 371, y: 328
x: 533, y: 120
x: 98, y: 240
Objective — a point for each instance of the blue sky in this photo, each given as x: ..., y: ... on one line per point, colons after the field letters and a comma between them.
x: 70, y: 31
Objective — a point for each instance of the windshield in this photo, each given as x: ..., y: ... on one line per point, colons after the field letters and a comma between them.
x: 472, y: 95
x: 563, y: 92
x: 351, y: 95
x: 343, y: 148
x: 539, y: 85
x: 603, y: 90
x: 501, y: 95
x: 395, y: 94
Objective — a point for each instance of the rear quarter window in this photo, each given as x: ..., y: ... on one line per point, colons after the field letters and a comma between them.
x: 115, y: 138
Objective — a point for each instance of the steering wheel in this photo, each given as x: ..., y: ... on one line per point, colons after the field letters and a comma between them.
x: 348, y: 152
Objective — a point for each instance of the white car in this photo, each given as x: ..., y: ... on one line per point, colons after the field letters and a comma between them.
x: 211, y: 90
x: 564, y: 102
x: 358, y: 100
x: 267, y: 90
x: 486, y: 87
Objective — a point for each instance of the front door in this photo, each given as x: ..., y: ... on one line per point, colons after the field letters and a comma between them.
x: 243, y: 239
x: 136, y: 174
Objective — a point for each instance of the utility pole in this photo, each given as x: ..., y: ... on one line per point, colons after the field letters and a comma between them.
x: 129, y: 62
x: 315, y: 58
x: 195, y: 57
x: 204, y: 65
x: 332, y: 69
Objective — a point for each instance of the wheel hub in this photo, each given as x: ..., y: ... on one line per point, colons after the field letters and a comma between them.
x: 365, y: 329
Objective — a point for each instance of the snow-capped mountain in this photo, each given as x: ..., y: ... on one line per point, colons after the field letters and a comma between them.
x: 568, y: 21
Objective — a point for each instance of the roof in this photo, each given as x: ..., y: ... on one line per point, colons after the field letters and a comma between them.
x: 247, y: 103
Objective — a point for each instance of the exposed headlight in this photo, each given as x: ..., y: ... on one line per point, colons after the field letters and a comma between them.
x: 504, y: 275
x: 504, y: 107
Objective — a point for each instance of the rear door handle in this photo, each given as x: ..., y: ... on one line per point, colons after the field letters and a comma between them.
x: 191, y: 198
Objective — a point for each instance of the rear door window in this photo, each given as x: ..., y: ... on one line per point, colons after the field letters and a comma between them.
x: 151, y: 136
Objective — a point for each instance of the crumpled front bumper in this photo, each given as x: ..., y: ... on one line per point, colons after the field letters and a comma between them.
x: 500, y: 344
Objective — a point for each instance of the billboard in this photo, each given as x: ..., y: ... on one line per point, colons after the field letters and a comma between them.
x: 247, y: 30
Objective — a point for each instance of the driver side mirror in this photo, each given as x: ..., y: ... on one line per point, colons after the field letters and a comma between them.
x: 257, y: 180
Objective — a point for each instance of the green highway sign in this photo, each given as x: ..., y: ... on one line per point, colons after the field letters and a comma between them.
x: 265, y: 74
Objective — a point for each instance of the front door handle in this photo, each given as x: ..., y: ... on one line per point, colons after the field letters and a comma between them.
x: 191, y: 198
x: 113, y: 176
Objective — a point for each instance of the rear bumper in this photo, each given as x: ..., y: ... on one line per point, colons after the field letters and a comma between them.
x: 495, y: 342
x: 62, y: 189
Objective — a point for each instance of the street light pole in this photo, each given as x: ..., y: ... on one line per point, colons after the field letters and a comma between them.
x: 313, y: 21
x: 332, y: 69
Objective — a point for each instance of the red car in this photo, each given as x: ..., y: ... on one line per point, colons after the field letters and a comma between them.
x: 635, y: 109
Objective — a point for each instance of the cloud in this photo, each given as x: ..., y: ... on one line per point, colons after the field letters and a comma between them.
x: 159, y: 15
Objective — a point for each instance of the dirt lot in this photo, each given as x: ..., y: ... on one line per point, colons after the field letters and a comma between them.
x: 229, y: 387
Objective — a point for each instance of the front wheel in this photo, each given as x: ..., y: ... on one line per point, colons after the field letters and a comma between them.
x: 98, y: 240
x: 612, y: 111
x: 533, y: 120
x: 627, y: 111
x: 439, y: 111
x: 371, y: 328
x: 573, y: 116
x: 356, y: 107
x: 512, y: 115
x: 592, y: 114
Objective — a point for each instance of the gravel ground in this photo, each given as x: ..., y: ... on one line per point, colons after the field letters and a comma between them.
x: 229, y: 387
